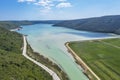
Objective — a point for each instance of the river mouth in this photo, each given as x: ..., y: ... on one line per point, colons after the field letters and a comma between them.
x: 49, y: 41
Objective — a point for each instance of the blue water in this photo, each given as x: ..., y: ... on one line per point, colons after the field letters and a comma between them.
x: 49, y: 41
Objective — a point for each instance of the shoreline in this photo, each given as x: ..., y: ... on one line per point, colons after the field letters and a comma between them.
x: 46, y: 62
x: 80, y: 62
x: 16, y: 29
x: 24, y: 53
x: 63, y: 44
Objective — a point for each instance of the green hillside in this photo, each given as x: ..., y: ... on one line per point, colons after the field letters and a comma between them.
x: 16, y: 24
x: 102, y: 56
x: 106, y: 24
x: 14, y: 66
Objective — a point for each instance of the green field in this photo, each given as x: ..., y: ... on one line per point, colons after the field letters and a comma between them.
x: 102, y: 56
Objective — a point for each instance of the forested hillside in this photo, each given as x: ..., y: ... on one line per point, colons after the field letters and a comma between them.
x: 8, y: 25
x: 107, y: 24
x: 13, y: 66
x: 17, y: 24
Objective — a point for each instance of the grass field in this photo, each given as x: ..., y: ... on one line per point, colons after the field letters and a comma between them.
x: 102, y: 56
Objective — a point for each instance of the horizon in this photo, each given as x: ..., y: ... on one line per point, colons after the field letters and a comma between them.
x: 56, y: 9
x: 62, y: 19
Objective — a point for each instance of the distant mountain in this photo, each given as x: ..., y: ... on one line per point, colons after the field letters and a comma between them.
x: 8, y: 25
x: 107, y: 24
x: 16, y: 24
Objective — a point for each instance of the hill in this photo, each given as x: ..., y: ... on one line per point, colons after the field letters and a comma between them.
x: 13, y: 66
x: 106, y: 24
x: 17, y: 24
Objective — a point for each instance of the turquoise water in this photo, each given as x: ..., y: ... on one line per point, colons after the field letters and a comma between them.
x: 49, y: 41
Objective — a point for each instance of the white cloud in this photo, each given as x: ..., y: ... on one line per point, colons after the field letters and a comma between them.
x: 44, y: 3
x: 21, y: 0
x: 47, y: 5
x: 64, y: 5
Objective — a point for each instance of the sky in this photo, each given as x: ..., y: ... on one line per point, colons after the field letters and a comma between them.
x: 57, y: 9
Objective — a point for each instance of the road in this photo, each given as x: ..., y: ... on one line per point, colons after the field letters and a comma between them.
x: 52, y: 73
x: 81, y: 61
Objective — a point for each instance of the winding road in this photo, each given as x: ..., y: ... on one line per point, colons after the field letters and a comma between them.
x: 52, y: 73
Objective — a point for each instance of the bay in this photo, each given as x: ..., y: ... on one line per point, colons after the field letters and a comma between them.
x: 49, y: 41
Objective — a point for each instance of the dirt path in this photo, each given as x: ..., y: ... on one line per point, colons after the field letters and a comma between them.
x: 109, y: 44
x: 81, y: 61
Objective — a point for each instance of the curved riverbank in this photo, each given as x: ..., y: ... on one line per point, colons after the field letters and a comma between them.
x: 40, y: 60
x: 49, y: 41
x: 87, y: 71
x: 98, y: 54
x: 52, y: 73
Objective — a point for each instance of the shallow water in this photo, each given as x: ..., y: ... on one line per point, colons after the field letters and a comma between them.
x: 49, y: 41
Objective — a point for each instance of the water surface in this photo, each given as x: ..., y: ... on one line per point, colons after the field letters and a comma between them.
x: 49, y: 41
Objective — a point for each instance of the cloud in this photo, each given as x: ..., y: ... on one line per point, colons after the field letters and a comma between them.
x: 26, y: 0
x: 44, y: 3
x: 20, y: 0
x: 47, y: 5
x: 64, y: 5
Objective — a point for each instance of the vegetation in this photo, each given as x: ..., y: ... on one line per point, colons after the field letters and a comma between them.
x: 102, y: 56
x: 47, y: 63
x: 17, y: 24
x: 107, y: 24
x: 8, y: 25
x: 13, y: 66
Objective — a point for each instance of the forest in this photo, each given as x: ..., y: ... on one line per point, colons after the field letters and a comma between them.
x: 105, y: 24
x: 14, y: 66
